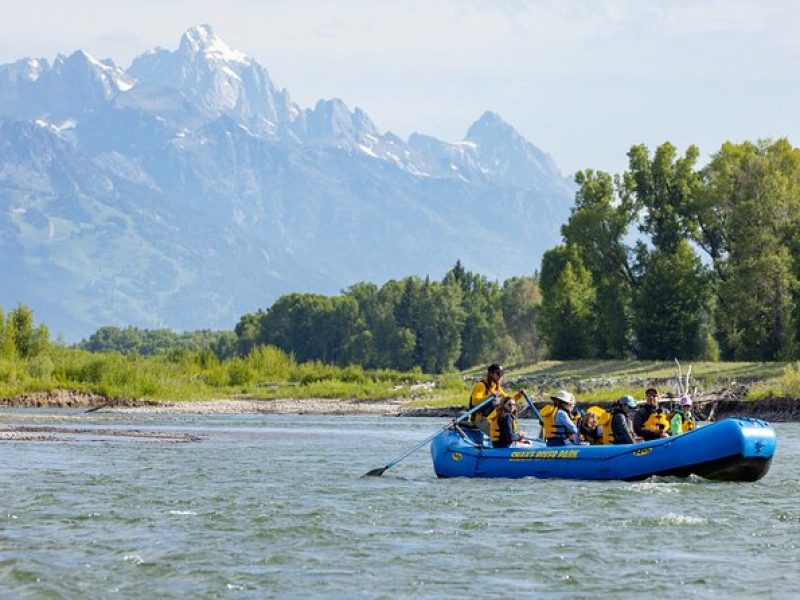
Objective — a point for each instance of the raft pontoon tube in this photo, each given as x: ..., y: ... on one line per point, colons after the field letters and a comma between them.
x: 728, y: 450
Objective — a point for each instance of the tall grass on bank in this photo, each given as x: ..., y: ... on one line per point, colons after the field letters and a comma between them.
x: 785, y: 386
x: 267, y: 372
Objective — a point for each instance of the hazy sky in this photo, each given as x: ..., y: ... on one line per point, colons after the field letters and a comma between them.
x: 583, y: 79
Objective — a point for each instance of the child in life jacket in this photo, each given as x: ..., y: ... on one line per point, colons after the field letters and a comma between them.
x: 591, y: 431
x: 682, y: 420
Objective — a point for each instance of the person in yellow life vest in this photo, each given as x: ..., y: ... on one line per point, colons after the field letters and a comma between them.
x: 603, y: 417
x: 649, y: 421
x: 504, y: 431
x: 590, y: 429
x: 549, y: 411
x: 681, y: 419
x: 490, y: 385
x: 558, y: 427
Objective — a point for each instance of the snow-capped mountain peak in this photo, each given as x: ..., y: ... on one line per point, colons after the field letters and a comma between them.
x: 112, y: 78
x: 27, y: 69
x: 201, y: 39
x: 507, y: 156
x: 218, y: 78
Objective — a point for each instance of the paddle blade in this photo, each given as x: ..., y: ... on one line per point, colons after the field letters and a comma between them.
x: 376, y: 472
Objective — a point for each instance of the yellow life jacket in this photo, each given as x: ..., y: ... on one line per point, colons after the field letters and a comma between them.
x: 549, y: 427
x: 548, y: 414
x: 604, y: 420
x: 687, y: 423
x: 657, y: 422
x: 494, y: 426
x: 478, y: 395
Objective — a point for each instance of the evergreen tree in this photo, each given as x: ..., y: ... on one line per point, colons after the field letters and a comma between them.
x: 484, y: 331
x: 567, y: 320
x: 440, y: 324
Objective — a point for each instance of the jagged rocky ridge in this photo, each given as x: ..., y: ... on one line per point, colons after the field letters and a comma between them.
x: 189, y: 189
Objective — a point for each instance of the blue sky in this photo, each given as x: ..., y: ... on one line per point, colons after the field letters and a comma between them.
x: 583, y: 79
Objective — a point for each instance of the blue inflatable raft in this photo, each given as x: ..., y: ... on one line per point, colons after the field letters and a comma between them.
x: 728, y: 450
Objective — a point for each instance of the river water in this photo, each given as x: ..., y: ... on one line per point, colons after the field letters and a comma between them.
x: 275, y: 506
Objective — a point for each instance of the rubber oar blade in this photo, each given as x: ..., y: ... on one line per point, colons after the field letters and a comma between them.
x: 376, y: 472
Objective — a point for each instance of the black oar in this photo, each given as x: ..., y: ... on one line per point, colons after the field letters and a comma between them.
x: 380, y: 471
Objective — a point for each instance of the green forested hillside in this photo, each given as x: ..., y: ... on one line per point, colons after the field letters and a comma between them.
x: 665, y: 260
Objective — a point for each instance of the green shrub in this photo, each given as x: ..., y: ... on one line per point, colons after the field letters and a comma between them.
x: 206, y: 359
x: 179, y: 356
x: 239, y: 372
x: 353, y: 374
x: 8, y: 370
x: 452, y: 381
x: 41, y: 367
x: 216, y: 377
x: 271, y: 363
x: 789, y: 383
x: 313, y: 371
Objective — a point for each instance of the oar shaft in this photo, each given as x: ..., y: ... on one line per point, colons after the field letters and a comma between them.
x: 533, y: 407
x: 458, y: 419
x: 417, y: 447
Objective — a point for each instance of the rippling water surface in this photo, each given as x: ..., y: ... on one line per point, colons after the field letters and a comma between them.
x: 275, y: 506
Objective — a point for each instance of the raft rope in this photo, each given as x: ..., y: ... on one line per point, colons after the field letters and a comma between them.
x: 465, y: 437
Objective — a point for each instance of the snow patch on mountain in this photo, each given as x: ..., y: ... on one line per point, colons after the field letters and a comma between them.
x: 190, y: 188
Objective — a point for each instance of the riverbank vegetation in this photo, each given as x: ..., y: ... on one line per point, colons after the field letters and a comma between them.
x: 30, y: 362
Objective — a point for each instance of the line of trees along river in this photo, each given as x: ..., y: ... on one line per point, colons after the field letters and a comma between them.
x: 606, y: 297
x: 664, y: 260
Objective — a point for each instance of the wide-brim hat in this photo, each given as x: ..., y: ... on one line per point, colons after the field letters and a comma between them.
x: 685, y: 401
x: 563, y: 396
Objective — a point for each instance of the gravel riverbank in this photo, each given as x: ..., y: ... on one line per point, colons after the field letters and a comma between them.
x: 715, y: 405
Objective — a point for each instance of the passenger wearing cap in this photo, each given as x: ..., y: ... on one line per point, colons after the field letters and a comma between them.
x: 681, y: 419
x: 649, y: 421
x: 620, y: 421
x: 559, y: 428
x: 488, y: 386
